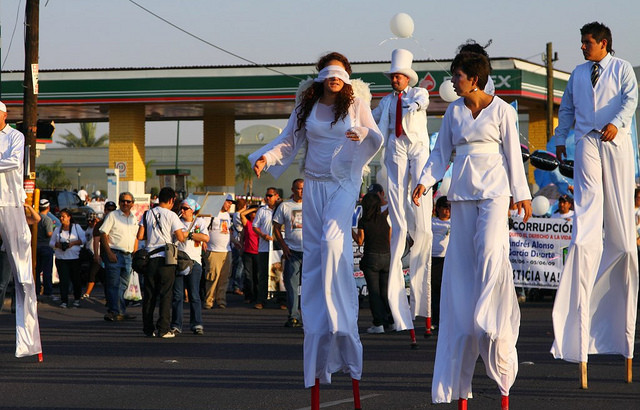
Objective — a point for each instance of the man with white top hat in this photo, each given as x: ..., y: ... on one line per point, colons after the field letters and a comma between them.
x: 402, y: 119
x: 17, y: 236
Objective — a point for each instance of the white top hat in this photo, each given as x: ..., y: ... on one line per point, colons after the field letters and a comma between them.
x: 401, y: 60
x: 3, y: 107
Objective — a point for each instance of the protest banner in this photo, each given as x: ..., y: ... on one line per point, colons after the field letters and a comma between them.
x: 537, y: 250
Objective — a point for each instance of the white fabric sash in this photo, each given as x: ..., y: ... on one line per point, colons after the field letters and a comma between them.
x: 478, y: 148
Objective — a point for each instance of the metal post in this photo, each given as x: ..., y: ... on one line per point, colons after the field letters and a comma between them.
x: 549, y: 64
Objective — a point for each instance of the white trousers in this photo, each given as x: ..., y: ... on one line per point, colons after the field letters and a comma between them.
x: 479, y: 311
x: 404, y: 162
x: 17, y: 242
x: 329, y: 296
x: 596, y: 303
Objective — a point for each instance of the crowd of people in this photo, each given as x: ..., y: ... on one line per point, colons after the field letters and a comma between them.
x: 471, y: 301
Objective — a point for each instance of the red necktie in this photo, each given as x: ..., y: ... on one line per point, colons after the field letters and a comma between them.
x: 399, y: 115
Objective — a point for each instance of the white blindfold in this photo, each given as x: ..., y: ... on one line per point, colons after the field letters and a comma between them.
x: 333, y: 71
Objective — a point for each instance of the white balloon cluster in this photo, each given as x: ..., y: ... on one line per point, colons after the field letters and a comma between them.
x: 401, y: 25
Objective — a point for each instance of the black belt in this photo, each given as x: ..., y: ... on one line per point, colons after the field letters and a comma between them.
x: 119, y: 251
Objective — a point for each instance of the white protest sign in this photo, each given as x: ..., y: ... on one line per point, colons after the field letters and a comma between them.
x: 538, y: 249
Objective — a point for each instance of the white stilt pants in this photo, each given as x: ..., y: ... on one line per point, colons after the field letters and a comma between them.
x: 596, y: 304
x: 404, y: 162
x: 329, y: 297
x: 17, y: 242
x: 479, y: 311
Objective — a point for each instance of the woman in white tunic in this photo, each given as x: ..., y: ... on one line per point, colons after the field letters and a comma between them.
x: 478, y: 308
x: 341, y: 138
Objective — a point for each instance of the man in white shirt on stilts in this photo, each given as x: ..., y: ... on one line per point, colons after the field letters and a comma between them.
x: 402, y: 119
x: 17, y: 237
x: 596, y: 304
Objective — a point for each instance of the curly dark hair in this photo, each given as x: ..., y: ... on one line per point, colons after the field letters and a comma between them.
x: 311, y: 95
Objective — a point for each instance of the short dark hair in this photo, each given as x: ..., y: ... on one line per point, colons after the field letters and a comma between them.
x: 471, y: 46
x: 473, y: 65
x: 442, y: 202
x: 126, y: 193
x: 271, y: 188
x: 599, y: 32
x: 166, y: 194
x: 295, y: 181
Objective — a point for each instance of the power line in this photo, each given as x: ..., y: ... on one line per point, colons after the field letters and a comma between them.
x: 12, y: 33
x: 211, y: 44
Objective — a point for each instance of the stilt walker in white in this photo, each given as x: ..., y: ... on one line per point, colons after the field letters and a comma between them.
x: 479, y: 312
x: 596, y: 304
x: 402, y: 119
x: 16, y: 237
x: 341, y: 138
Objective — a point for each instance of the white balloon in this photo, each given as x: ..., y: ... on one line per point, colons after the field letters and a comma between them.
x: 447, y: 92
x: 401, y: 25
x: 540, y: 205
x: 444, y: 186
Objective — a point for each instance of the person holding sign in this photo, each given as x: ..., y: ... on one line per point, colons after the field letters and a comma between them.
x: 478, y: 310
x: 596, y: 304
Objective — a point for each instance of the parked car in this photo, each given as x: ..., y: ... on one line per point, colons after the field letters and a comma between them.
x: 60, y: 200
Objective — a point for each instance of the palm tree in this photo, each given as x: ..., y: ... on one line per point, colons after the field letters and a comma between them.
x: 244, y: 172
x: 87, y: 137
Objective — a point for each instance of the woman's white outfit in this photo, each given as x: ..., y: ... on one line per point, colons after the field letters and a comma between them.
x: 479, y: 311
x: 333, y: 175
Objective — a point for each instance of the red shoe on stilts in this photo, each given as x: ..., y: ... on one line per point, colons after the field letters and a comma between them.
x: 355, y: 384
x: 505, y: 403
x: 414, y: 343
x: 462, y: 404
x: 40, y: 357
x: 315, y: 396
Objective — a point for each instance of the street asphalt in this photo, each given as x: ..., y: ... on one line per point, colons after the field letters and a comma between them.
x: 247, y: 359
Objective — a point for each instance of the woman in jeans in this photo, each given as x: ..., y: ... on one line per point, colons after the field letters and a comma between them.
x: 67, y: 240
x: 375, y: 233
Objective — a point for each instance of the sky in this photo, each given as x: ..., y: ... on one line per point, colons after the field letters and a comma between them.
x: 118, y: 33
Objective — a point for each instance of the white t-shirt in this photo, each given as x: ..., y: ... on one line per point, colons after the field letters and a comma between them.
x: 82, y: 194
x: 219, y: 233
x: 441, y: 230
x: 189, y: 246
x: 74, y: 233
x: 262, y: 221
x: 289, y: 214
x: 161, y: 224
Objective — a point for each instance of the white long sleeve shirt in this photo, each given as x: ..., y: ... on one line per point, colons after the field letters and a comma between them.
x: 479, y: 175
x: 613, y: 99
x: 11, y: 167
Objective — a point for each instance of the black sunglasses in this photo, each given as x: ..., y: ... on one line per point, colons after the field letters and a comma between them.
x: 185, y: 208
x: 269, y: 195
x: 126, y: 201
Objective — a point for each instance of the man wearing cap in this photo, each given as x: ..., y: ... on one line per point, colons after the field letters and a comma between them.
x: 402, y: 119
x: 565, y: 202
x: 196, y: 230
x: 118, y: 240
x: 44, y: 253
x: 262, y: 225
x: 17, y: 236
x: 218, y: 257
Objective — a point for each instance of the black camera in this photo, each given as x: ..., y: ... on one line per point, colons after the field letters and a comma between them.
x: 64, y: 245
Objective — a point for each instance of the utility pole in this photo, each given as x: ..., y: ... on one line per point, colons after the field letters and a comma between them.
x: 550, y: 58
x: 30, y: 99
